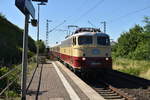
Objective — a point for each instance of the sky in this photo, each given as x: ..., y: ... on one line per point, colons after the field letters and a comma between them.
x: 120, y: 16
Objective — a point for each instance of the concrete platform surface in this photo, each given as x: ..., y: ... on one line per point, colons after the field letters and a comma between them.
x: 53, y: 81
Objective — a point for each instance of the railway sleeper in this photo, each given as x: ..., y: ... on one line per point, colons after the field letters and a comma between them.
x: 117, y: 99
x: 113, y: 97
x: 105, y: 90
x: 112, y: 94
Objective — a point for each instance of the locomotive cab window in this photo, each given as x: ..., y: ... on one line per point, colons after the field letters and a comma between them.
x: 85, y: 40
x: 103, y: 40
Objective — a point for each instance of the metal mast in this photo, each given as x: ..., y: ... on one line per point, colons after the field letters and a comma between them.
x: 46, y: 33
x: 104, y: 22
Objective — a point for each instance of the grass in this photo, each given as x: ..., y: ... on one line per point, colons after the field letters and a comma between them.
x: 139, y: 68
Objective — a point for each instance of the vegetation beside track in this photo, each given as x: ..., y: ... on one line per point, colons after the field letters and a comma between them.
x: 11, y: 55
x: 131, y: 53
x: 139, y: 68
x: 11, y: 43
x: 135, y: 43
x: 14, y: 91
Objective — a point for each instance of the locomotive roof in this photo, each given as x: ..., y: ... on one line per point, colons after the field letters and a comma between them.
x: 87, y: 29
x: 85, y: 32
x: 91, y: 34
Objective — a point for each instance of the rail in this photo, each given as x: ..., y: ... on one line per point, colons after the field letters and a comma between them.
x: 115, y: 90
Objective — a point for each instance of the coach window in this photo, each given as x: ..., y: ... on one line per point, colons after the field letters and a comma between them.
x: 85, y: 40
x: 103, y: 40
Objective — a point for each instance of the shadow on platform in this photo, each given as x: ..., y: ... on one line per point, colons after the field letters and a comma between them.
x: 31, y: 92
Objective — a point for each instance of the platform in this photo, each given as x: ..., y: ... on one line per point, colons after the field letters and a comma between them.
x: 53, y: 81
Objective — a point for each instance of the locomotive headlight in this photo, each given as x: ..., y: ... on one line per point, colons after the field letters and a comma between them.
x: 107, y: 58
x: 83, y: 58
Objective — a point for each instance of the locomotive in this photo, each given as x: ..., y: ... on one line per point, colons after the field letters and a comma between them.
x: 87, y: 49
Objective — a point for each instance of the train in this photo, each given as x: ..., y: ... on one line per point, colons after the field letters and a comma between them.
x: 87, y: 49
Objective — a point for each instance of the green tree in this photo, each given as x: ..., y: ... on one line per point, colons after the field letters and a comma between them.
x: 135, y: 43
x: 147, y: 26
x: 142, y: 51
x: 128, y: 41
x: 3, y: 16
x: 41, y: 45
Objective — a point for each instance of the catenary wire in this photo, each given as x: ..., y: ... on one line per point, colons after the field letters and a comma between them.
x: 89, y: 10
x: 128, y: 14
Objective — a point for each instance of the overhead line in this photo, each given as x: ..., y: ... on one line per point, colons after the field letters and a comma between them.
x: 91, y: 24
x: 79, y: 8
x: 130, y: 13
x: 81, y: 5
x: 57, y: 26
x: 89, y: 10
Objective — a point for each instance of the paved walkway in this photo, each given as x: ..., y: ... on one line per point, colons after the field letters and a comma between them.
x: 52, y: 82
x: 46, y: 85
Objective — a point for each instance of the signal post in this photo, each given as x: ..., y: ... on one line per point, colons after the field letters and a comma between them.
x: 26, y: 7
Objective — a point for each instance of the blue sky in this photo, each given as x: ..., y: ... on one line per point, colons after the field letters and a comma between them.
x: 120, y: 15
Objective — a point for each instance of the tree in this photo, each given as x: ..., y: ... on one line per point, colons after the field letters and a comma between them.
x: 142, y: 51
x: 3, y: 16
x: 147, y: 26
x: 41, y: 45
x: 128, y: 41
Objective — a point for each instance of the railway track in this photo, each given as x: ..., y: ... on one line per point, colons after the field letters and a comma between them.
x: 114, y: 85
x: 111, y: 93
x: 108, y: 91
x: 139, y: 88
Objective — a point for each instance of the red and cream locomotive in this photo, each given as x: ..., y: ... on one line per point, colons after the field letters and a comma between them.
x: 87, y: 49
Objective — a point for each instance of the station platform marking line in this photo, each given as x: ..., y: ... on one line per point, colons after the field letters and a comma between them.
x: 73, y: 95
x: 87, y: 90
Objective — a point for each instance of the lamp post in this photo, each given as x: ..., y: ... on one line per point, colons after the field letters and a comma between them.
x: 42, y: 3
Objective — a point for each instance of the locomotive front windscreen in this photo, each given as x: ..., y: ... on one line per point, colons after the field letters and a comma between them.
x: 85, y: 40
x: 103, y: 40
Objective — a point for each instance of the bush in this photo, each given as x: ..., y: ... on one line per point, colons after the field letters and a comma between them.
x: 11, y: 43
x: 11, y: 94
x: 142, y: 52
x: 3, y: 82
x: 14, y: 89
